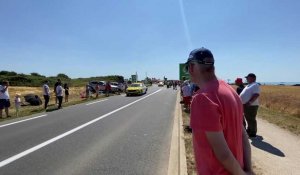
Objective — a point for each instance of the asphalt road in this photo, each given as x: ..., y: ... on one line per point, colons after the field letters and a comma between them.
x: 120, y: 135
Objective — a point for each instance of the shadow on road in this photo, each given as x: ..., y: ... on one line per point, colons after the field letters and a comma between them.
x: 52, y: 109
x: 260, y: 144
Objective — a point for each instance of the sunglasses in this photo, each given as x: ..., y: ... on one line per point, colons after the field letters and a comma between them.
x: 192, y: 62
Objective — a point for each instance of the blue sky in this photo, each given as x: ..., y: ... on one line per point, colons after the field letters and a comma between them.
x: 94, y: 37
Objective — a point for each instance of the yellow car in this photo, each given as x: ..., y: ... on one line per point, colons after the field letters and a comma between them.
x: 136, y: 89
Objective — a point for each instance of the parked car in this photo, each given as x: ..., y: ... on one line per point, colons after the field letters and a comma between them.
x: 136, y: 89
x: 101, y: 84
x: 160, y: 84
x: 121, y: 86
x: 114, y: 88
x: 92, y: 86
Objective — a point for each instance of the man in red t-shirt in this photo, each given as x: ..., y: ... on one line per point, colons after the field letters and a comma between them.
x: 221, y: 145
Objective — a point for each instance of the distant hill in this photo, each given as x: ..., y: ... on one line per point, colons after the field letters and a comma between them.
x: 35, y: 79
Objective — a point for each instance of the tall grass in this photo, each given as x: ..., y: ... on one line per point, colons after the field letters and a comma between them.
x: 74, y: 98
x: 281, y: 105
x: 283, y: 99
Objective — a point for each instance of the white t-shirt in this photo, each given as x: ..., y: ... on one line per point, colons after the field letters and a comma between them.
x: 248, y: 92
x: 46, y: 89
x: 59, y: 91
x: 186, y: 91
x: 4, y: 95
x: 18, y: 102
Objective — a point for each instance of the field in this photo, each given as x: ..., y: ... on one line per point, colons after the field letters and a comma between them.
x: 283, y: 99
x: 74, y: 98
x: 281, y: 105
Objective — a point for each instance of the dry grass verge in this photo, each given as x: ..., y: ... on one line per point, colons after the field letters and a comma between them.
x: 283, y: 120
x: 190, y: 158
x: 281, y: 99
x: 280, y: 105
x: 74, y: 98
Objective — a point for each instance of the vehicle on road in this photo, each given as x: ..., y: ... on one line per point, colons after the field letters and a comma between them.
x: 160, y: 84
x: 93, y: 84
x: 136, y: 89
x: 121, y: 86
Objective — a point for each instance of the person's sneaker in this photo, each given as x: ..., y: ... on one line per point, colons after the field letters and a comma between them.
x: 252, y: 136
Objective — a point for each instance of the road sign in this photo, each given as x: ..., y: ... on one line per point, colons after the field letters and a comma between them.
x: 134, y: 78
x: 183, y: 75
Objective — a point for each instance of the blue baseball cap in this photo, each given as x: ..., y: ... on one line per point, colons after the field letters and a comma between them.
x: 199, y: 56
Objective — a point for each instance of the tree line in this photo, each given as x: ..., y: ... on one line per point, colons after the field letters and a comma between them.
x: 35, y: 79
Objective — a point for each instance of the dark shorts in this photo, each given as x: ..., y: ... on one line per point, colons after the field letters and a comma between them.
x: 187, y: 100
x: 4, y: 103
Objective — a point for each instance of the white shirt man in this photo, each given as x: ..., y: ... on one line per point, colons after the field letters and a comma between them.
x: 186, y: 90
x: 248, y: 92
x: 46, y: 89
x: 249, y: 97
x: 4, y: 93
x: 59, y: 91
x: 4, y: 99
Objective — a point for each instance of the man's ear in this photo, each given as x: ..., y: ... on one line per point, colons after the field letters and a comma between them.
x: 191, y: 69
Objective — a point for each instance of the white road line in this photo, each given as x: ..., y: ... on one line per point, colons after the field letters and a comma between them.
x: 96, y: 102
x: 37, y: 147
x: 1, y: 126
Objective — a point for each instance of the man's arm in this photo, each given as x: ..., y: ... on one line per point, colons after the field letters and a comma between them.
x: 247, y: 153
x: 253, y: 98
x: 223, y: 153
x: 4, y: 89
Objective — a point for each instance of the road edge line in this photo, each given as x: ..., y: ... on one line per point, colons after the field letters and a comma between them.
x: 24, y: 120
x: 91, y: 103
x: 177, y: 159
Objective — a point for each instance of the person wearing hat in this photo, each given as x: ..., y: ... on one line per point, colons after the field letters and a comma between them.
x: 249, y: 97
x: 240, y: 84
x: 220, y: 142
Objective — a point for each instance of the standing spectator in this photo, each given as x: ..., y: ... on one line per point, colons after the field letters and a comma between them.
x: 66, y: 88
x: 97, y: 90
x: 55, y: 85
x: 59, y: 93
x: 46, y: 93
x: 126, y: 86
x: 194, y: 88
x: 249, y: 98
x: 187, y: 95
x: 240, y: 84
x: 120, y: 88
x: 4, y: 99
x: 18, y: 103
x: 107, y: 88
x: 220, y: 141
x: 174, y: 85
x: 87, y: 91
